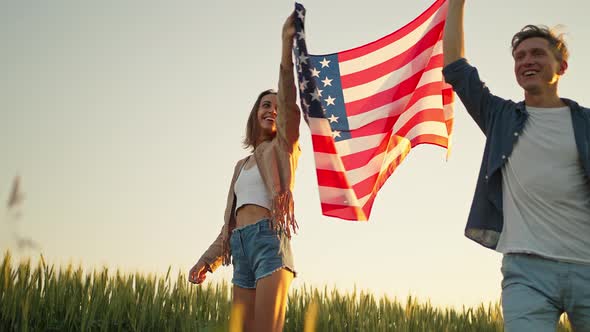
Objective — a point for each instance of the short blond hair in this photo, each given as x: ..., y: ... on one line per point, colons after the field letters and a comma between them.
x: 556, y: 41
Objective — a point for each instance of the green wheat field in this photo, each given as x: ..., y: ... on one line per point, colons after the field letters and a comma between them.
x: 49, y: 298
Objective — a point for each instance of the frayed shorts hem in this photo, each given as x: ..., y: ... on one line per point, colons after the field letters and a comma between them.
x: 241, y: 285
x: 257, y: 252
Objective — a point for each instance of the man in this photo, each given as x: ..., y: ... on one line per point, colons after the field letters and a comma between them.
x: 532, y: 198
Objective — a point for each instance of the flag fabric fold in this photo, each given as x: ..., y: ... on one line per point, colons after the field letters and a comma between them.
x: 368, y: 106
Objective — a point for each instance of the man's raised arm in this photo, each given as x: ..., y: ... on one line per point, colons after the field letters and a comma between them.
x: 453, y: 39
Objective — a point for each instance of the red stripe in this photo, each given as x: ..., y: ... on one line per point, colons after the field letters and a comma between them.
x: 361, y: 158
x: 388, y: 96
x: 385, y: 124
x: 449, y: 124
x: 447, y: 96
x: 378, y: 183
x: 376, y: 127
x: 429, y: 89
x: 366, y: 187
x: 384, y: 97
x: 363, y: 188
x: 431, y: 114
x: 344, y: 212
x: 369, y: 204
x: 334, y: 179
x: 390, y: 169
x: 392, y: 37
x: 441, y: 141
x: 375, y: 181
x: 323, y: 144
x: 395, y: 63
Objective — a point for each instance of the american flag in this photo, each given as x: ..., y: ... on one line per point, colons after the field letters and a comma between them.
x: 368, y: 106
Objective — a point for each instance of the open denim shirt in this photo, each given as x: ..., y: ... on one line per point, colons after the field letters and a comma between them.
x: 501, y: 121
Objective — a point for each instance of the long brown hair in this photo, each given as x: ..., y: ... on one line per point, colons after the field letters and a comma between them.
x: 253, y: 127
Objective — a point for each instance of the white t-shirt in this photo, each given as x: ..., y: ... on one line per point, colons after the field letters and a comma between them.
x: 546, y: 194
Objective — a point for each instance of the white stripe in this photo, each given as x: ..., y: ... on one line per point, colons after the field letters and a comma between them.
x: 448, y: 109
x: 332, y: 162
x: 394, y: 49
x: 392, y: 109
x: 359, y: 213
x: 319, y: 126
x: 355, y: 145
x: 378, y: 162
x: 328, y: 162
x: 428, y: 127
x: 338, y: 196
x: 385, y: 111
x: 363, y: 200
x: 331, y: 195
x: 393, y: 78
x: 421, y: 104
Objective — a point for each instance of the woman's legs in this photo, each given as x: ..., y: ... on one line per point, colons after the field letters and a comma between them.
x: 260, y: 262
x: 243, y: 305
x: 271, y: 300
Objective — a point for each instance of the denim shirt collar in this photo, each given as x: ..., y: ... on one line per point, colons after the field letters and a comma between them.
x: 521, y: 106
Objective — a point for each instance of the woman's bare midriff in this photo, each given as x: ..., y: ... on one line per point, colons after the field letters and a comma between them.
x: 250, y: 214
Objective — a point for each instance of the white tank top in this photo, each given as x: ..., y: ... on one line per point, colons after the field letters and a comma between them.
x: 249, y: 189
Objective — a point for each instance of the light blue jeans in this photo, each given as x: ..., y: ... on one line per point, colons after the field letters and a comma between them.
x: 536, y: 291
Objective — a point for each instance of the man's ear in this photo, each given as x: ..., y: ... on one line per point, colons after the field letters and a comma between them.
x: 562, y: 67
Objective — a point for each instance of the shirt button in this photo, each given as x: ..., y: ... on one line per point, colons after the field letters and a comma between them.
x: 515, y: 133
x: 486, y: 177
x: 503, y: 157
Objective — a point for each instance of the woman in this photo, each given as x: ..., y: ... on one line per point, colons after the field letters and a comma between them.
x: 259, y: 216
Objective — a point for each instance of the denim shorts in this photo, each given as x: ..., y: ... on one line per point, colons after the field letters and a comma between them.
x: 256, y: 253
x: 536, y: 291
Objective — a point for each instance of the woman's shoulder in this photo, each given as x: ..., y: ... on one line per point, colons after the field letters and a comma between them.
x: 242, y: 161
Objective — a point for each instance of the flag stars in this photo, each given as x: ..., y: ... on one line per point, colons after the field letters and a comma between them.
x: 316, y: 94
x: 303, y: 58
x: 333, y: 118
x: 315, y: 72
x: 300, y: 14
x: 325, y: 63
x: 303, y: 84
x: 305, y: 104
x: 327, y: 81
x: 335, y: 134
x: 300, y: 35
x: 329, y: 101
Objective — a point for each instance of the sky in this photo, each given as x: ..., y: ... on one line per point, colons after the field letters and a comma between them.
x: 124, y: 121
